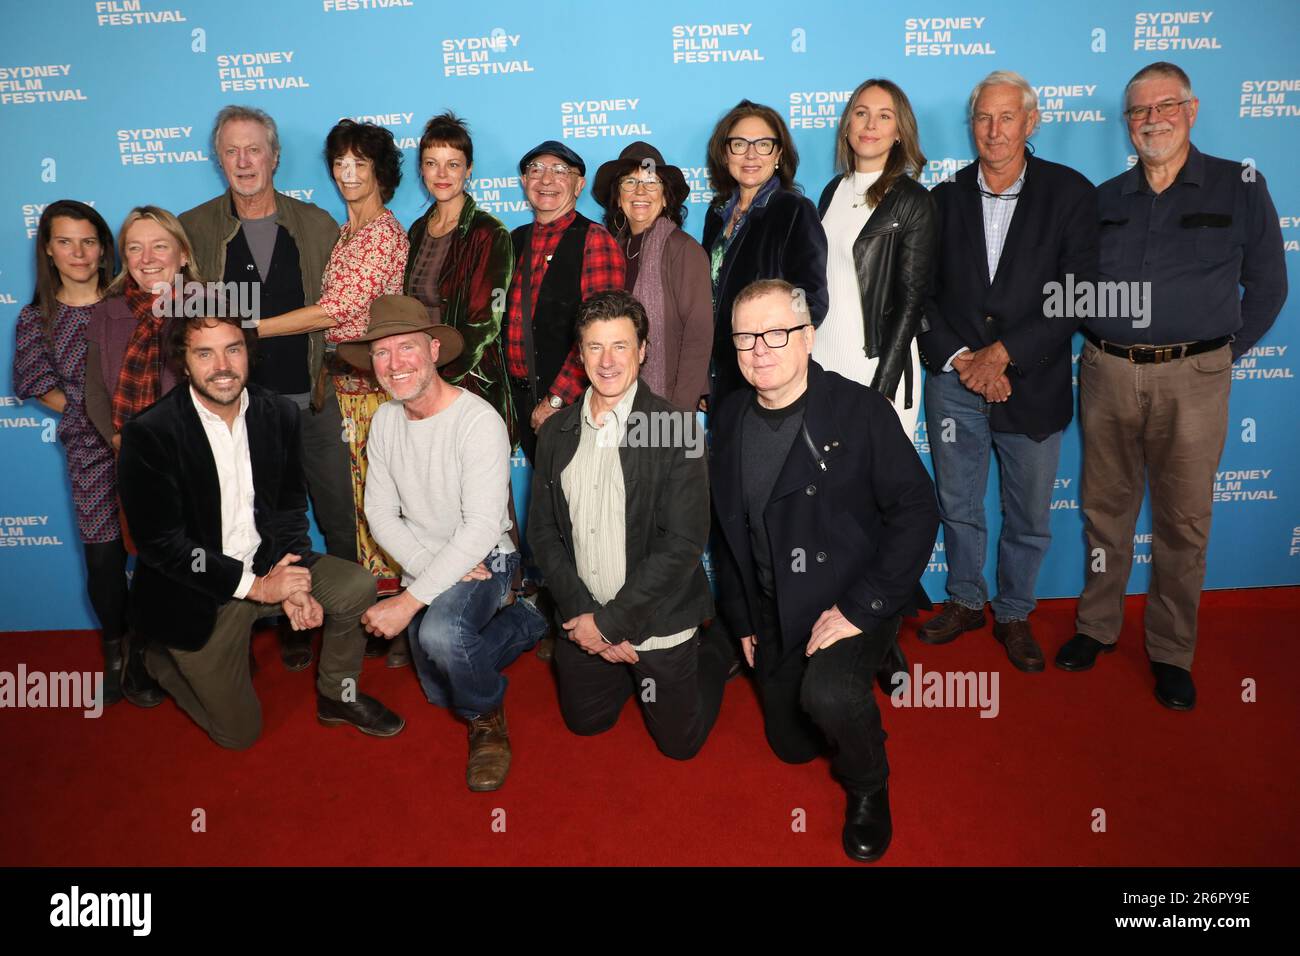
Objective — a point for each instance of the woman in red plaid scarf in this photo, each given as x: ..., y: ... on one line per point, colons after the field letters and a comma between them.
x: 126, y: 368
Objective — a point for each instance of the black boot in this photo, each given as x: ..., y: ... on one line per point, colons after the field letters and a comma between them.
x: 138, y: 686
x: 868, y: 827
x: 295, y: 646
x: 112, y: 671
x: 893, y: 663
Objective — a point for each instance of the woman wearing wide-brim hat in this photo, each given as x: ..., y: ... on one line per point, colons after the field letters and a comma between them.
x: 667, y: 270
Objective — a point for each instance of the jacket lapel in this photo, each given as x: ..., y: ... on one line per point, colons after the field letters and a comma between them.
x: 1016, y: 231
x: 197, y: 468
x: 971, y: 209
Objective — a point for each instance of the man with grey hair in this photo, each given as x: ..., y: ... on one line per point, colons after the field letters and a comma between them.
x: 1000, y: 367
x: 253, y: 234
x: 1202, y: 235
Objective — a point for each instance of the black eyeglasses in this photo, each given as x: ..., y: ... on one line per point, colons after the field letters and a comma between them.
x: 772, y: 338
x: 739, y: 146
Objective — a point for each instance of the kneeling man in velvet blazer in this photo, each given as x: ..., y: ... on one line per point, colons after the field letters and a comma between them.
x: 213, y: 494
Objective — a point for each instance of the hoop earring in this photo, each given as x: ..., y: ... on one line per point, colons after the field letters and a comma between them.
x: 619, y: 228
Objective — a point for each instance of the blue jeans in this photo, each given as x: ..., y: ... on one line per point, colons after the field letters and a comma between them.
x: 463, y: 640
x: 1027, y: 470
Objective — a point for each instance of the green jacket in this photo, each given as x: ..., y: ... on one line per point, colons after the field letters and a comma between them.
x: 472, y: 288
x: 211, y: 226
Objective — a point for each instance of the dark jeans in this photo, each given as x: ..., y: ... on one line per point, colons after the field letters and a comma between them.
x: 213, y: 684
x: 825, y: 702
x: 679, y: 688
x: 327, y: 469
x: 466, y: 637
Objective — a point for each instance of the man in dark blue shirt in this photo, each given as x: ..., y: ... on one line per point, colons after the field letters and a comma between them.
x: 1180, y: 233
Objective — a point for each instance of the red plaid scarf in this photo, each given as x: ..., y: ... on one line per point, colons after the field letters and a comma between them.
x: 140, y: 381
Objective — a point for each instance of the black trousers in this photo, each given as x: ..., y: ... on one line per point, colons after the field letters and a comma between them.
x: 679, y: 689
x: 827, y: 702
x: 107, y: 587
x: 524, y: 405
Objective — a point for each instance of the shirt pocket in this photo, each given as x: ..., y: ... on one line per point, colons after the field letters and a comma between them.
x: 1114, y: 242
x: 1212, y: 236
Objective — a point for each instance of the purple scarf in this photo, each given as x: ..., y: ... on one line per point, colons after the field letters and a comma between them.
x: 649, y: 290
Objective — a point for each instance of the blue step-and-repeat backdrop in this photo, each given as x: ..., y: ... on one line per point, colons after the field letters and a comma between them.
x: 112, y: 102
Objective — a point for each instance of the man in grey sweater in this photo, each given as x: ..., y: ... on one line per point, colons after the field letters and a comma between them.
x: 436, y: 501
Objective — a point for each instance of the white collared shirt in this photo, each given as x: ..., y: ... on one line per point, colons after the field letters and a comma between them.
x: 229, y: 444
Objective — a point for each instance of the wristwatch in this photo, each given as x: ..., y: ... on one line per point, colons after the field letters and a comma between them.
x: 556, y: 401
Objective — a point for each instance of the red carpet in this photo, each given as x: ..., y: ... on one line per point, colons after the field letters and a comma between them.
x: 1216, y: 786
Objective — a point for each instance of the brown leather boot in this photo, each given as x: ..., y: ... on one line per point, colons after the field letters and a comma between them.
x: 950, y: 623
x: 489, y: 751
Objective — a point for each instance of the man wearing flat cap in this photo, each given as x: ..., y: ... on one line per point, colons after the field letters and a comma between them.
x: 436, y: 500
x: 561, y: 258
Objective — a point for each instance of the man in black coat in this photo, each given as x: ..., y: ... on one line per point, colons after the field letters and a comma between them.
x: 212, y: 488
x: 828, y: 519
x: 1010, y: 227
x: 618, y: 523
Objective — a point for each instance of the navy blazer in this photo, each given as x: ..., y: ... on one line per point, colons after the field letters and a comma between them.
x: 171, y: 495
x: 1053, y: 233
x: 851, y: 520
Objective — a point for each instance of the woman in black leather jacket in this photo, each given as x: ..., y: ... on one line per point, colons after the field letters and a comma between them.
x: 881, y: 233
x: 760, y: 226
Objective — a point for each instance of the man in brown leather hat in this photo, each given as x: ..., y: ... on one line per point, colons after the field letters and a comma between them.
x: 436, y: 501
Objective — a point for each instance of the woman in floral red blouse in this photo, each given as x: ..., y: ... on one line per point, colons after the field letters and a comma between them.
x: 368, y: 261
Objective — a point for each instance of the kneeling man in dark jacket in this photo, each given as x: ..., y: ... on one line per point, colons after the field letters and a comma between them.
x: 213, y: 492
x: 828, y: 519
x: 618, y: 522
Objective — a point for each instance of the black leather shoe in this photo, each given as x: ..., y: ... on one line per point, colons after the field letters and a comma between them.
x: 893, y: 663
x: 366, y: 714
x: 295, y: 647
x: 1174, y: 687
x: 1080, y: 652
x: 399, y: 652
x: 137, y: 686
x: 868, y: 827
x: 376, y: 646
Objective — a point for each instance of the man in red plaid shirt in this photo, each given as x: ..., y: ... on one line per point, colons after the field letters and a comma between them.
x: 563, y: 257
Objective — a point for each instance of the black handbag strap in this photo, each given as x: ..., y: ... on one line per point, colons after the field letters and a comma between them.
x: 526, y: 310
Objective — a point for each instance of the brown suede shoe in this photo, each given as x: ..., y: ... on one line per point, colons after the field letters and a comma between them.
x: 489, y: 751
x: 1021, y: 647
x: 954, y: 620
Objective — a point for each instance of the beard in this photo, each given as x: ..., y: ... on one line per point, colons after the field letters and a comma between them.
x: 409, y: 388
x: 205, y: 388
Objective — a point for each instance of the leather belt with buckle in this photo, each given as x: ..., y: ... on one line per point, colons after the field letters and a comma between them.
x: 1157, y: 354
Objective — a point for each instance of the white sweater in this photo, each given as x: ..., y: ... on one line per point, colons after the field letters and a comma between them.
x: 437, y: 490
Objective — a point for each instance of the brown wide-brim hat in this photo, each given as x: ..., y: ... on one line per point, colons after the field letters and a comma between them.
x: 397, y: 315
x: 636, y: 156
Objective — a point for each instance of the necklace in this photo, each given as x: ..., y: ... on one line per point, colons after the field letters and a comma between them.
x: 628, y: 251
x: 863, y: 194
x: 352, y: 233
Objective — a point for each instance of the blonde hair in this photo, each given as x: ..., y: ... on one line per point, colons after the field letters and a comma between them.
x: 173, y: 227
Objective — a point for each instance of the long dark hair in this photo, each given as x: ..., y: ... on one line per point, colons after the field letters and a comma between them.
x: 48, y: 280
x: 723, y: 183
x: 905, y: 157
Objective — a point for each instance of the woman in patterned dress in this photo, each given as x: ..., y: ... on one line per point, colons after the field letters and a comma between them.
x: 74, y: 265
x: 368, y: 261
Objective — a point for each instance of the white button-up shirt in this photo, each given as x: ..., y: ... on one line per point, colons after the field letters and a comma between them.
x: 239, y: 537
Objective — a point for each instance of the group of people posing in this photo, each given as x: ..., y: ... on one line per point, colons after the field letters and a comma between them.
x: 388, y: 375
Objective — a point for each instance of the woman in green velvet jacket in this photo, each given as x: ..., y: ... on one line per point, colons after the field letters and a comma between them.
x: 461, y: 261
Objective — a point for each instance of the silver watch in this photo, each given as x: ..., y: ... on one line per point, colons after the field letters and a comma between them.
x: 556, y: 401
